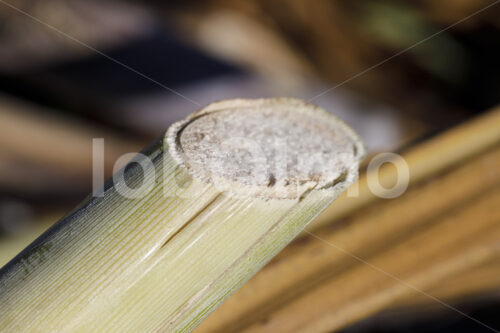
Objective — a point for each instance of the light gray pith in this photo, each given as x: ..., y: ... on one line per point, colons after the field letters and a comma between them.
x: 266, y: 147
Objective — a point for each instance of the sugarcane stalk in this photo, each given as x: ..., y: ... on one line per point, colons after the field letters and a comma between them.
x: 172, y: 235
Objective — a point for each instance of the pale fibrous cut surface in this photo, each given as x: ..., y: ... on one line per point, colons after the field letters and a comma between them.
x: 270, y: 147
x: 232, y: 185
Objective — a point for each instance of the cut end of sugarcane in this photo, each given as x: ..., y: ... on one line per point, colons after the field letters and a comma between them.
x: 276, y: 148
x: 162, y: 263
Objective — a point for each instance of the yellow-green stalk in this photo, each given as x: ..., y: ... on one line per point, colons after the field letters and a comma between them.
x: 216, y: 198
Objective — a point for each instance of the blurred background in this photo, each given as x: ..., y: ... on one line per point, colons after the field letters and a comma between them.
x: 398, y: 72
